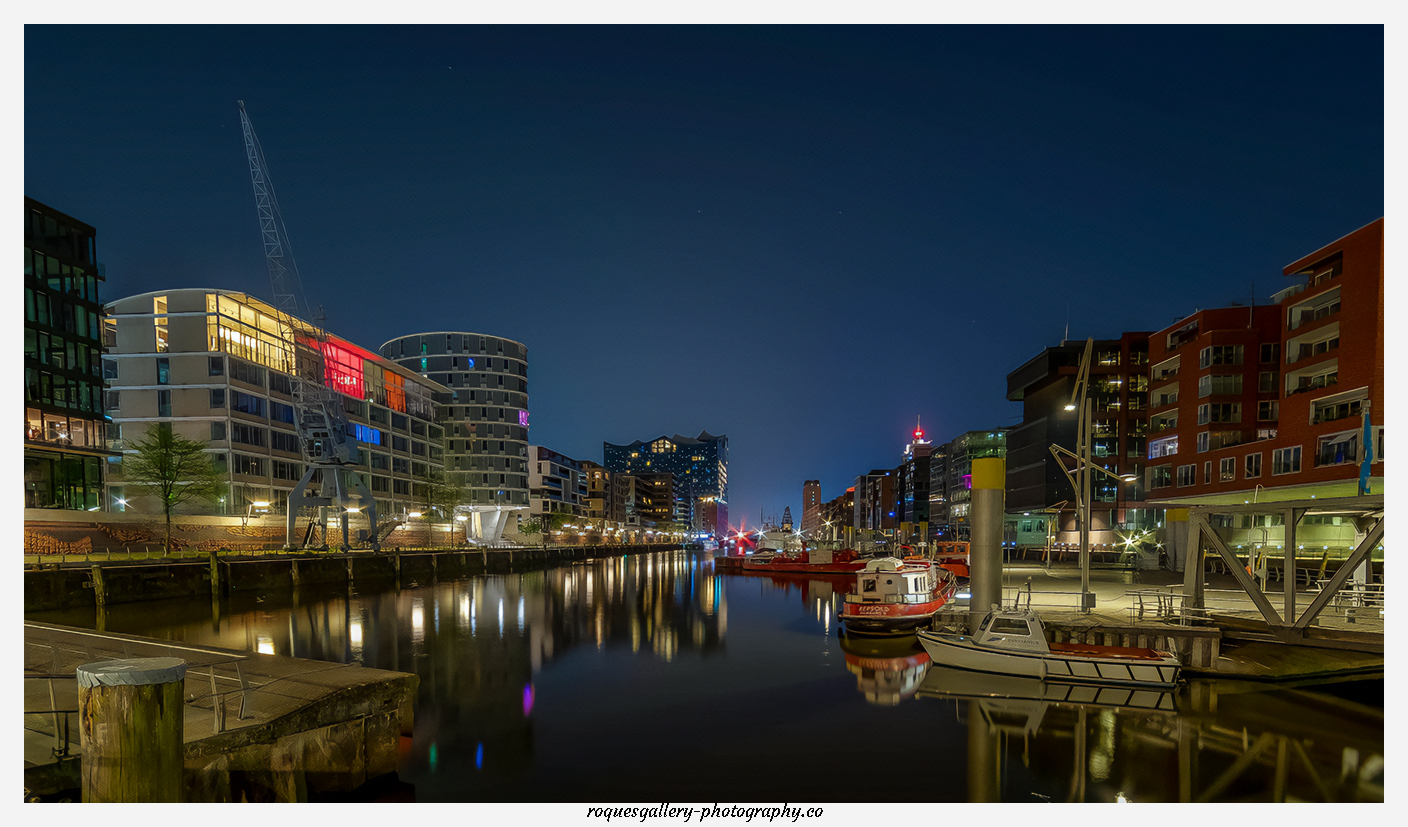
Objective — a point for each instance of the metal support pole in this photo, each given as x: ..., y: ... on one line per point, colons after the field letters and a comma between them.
x: 1086, y: 597
x: 985, y: 550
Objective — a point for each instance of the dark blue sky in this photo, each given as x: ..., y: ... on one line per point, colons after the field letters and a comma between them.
x: 802, y: 237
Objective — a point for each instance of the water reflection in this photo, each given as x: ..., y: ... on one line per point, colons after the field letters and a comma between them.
x: 887, y: 670
x: 612, y: 676
x: 1208, y: 741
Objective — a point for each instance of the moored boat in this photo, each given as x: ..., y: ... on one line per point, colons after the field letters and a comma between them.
x: 806, y: 561
x: 1013, y: 642
x: 896, y: 596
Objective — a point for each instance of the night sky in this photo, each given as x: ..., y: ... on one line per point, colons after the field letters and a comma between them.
x: 802, y: 237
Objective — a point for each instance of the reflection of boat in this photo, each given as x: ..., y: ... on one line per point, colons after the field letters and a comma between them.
x: 1012, y: 642
x: 962, y: 684
x: 896, y: 597
x: 887, y: 670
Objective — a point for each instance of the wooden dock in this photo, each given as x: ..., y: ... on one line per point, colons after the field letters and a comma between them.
x: 257, y: 727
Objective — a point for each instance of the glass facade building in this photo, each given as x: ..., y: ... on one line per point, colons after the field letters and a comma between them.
x: 65, y: 429
x: 700, y: 466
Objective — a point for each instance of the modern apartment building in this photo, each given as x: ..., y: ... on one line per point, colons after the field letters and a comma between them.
x: 219, y: 367
x: 874, y: 509
x: 1118, y: 392
x: 606, y: 495
x: 838, y: 516
x: 811, y: 507
x: 556, y: 483
x: 700, y: 465
x: 959, y: 485
x: 912, y: 488
x: 65, y: 429
x: 1275, y: 399
x: 484, y: 411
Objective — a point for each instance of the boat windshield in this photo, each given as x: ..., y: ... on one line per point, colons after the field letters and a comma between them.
x: 987, y: 621
x: 1010, y: 626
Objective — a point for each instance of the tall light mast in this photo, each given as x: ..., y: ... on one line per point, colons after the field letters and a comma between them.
x: 318, y: 413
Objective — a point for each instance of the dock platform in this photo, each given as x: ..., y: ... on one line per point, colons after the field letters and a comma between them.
x: 257, y: 727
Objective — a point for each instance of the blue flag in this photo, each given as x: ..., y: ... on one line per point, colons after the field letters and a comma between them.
x: 1368, y: 441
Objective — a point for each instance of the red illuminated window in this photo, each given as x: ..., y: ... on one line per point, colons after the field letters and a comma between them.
x: 342, y: 370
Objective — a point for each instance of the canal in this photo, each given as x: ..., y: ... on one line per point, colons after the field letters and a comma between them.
x: 654, y: 677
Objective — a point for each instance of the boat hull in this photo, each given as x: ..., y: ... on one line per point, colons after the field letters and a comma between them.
x: 889, y: 618
x: 961, y: 652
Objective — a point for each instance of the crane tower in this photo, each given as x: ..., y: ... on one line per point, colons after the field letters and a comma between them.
x: 318, y: 414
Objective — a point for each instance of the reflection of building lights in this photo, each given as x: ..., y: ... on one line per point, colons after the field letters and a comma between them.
x: 354, y: 634
x: 501, y: 617
x: 527, y: 700
x: 418, y: 620
x: 264, y: 645
x: 520, y: 613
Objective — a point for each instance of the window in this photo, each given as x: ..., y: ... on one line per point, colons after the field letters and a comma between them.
x: 1203, y: 442
x: 401, y: 486
x: 286, y: 470
x: 1227, y: 469
x: 247, y: 434
x: 1187, y: 475
x: 245, y: 464
x: 1220, y: 355
x: 163, y: 403
x: 1207, y: 472
x: 217, y: 398
x: 246, y: 403
x: 111, y: 401
x: 217, y: 431
x: 1338, y: 449
x: 217, y: 366
x: 1339, y: 406
x: 1266, y: 382
x: 1268, y: 411
x: 1252, y: 466
x: 1219, y: 384
x: 1219, y: 412
x: 246, y: 372
x: 283, y: 441
x: 279, y: 412
x: 1271, y: 353
x: 109, y: 367
x: 398, y: 443
x: 163, y: 371
x: 279, y: 383
x: 1285, y: 461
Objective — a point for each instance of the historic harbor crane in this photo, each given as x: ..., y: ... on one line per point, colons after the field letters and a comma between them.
x: 322, y: 425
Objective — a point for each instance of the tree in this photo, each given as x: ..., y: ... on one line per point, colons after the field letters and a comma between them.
x: 171, y: 468
x: 438, y: 492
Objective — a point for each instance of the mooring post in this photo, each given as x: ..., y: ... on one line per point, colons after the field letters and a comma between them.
x: 397, y: 558
x: 985, y: 547
x: 215, y: 574
x: 434, y: 567
x: 293, y: 571
x: 131, y: 730
x: 100, y: 592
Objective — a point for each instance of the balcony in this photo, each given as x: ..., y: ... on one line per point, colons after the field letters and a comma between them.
x: 1323, y: 306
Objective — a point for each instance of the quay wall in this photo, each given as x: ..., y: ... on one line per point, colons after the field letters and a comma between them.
x: 91, y: 582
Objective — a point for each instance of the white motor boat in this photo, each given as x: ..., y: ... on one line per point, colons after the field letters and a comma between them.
x: 1013, y: 642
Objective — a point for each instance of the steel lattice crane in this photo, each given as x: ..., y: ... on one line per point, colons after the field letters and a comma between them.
x: 318, y: 413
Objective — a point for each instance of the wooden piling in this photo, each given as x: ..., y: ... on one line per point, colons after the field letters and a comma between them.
x: 214, y: 574
x: 100, y: 592
x: 131, y: 730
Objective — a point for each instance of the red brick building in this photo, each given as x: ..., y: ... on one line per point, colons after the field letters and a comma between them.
x: 1274, y: 396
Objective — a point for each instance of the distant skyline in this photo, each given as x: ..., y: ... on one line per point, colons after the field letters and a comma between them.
x: 802, y: 237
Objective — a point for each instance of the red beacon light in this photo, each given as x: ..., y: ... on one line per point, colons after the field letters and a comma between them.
x: 918, y: 433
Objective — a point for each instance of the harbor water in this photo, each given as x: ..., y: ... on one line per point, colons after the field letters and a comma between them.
x: 656, y: 677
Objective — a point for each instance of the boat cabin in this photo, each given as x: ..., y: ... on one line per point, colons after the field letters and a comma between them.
x: 1016, y: 631
x: 887, y: 580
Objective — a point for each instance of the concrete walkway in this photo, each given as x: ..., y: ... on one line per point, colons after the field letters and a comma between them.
x: 233, y: 699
